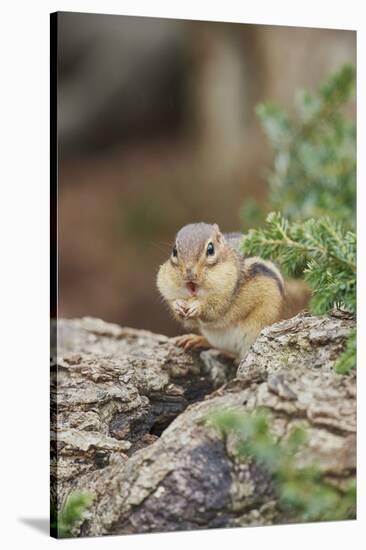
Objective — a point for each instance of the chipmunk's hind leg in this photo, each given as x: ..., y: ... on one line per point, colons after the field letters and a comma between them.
x: 192, y: 341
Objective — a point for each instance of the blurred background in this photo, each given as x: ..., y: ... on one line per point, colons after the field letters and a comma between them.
x: 157, y: 129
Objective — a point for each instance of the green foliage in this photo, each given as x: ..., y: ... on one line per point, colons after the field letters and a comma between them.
x: 313, y: 184
x: 322, y: 250
x: 314, y: 167
x: 347, y: 361
x: 70, y: 514
x: 303, y: 492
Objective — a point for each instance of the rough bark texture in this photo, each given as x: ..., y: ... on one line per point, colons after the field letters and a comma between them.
x: 131, y: 409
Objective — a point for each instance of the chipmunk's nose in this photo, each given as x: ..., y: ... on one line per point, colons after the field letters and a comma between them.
x: 190, y: 274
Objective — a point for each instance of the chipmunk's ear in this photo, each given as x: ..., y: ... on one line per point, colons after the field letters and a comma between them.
x: 219, y: 236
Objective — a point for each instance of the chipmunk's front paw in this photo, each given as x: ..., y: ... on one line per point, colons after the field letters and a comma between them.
x: 187, y: 309
x: 191, y: 341
x: 193, y: 309
x: 180, y: 308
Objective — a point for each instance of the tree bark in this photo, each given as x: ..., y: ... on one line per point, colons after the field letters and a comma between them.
x: 129, y: 422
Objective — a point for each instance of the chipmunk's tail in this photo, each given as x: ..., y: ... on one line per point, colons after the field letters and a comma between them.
x: 298, y: 294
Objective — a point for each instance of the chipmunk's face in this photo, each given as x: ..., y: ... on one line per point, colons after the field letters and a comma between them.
x: 196, y: 262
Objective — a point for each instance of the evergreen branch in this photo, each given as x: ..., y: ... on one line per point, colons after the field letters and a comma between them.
x: 347, y: 361
x: 72, y: 510
x: 314, y: 168
x: 320, y: 250
x: 303, y: 492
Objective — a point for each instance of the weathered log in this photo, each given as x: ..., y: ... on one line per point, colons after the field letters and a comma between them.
x: 132, y: 431
x: 117, y: 389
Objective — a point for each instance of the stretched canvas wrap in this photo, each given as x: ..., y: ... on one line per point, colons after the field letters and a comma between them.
x: 203, y: 263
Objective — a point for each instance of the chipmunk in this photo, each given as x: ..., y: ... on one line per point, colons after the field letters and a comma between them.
x: 213, y: 289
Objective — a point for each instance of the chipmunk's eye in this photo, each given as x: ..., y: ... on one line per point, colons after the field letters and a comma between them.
x: 210, y: 249
x: 174, y: 252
